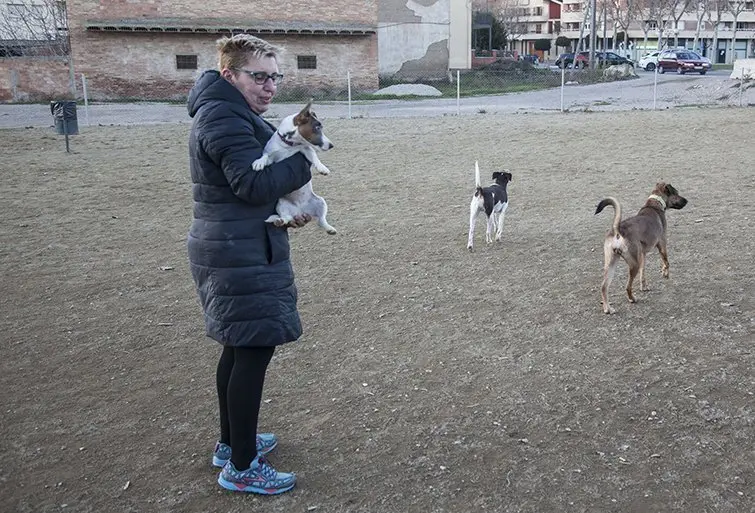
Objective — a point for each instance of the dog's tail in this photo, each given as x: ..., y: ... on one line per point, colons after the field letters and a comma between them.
x: 477, y: 181
x: 617, y: 212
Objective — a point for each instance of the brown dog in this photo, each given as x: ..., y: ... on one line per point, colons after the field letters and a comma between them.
x: 632, y: 238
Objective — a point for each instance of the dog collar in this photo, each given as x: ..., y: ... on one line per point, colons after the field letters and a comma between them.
x: 658, y: 199
x: 289, y: 143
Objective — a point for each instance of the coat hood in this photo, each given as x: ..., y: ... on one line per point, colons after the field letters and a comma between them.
x: 212, y: 86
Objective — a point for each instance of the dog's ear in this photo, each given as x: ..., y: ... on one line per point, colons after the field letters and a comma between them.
x: 670, y: 190
x: 507, y: 175
x: 496, y: 174
x: 302, y: 117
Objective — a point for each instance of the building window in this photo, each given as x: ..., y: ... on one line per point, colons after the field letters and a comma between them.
x: 538, y: 28
x: 538, y: 11
x: 306, y: 61
x: 186, y: 62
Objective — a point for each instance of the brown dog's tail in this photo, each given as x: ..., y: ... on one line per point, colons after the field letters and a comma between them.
x: 617, y: 212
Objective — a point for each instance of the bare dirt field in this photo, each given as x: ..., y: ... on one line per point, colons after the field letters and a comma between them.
x: 429, y: 379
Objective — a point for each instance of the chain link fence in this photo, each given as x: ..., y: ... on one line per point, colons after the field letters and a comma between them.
x: 513, y: 89
x: 508, y: 85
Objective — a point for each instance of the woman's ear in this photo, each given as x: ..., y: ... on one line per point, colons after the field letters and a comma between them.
x: 227, y: 74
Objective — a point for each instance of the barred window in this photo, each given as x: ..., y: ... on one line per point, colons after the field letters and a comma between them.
x: 306, y: 61
x: 186, y: 62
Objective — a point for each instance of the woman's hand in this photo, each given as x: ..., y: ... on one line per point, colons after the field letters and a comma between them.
x: 299, y: 221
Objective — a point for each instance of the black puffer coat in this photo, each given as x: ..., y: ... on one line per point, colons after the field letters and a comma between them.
x: 239, y: 263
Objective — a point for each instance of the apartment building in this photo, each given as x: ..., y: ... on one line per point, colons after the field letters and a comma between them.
x: 530, y: 20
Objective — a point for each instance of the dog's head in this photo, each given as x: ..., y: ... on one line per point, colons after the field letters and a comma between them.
x: 501, y: 177
x: 670, y: 195
x: 307, y: 128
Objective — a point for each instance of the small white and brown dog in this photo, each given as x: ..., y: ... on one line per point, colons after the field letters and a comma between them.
x: 493, y: 201
x: 298, y: 132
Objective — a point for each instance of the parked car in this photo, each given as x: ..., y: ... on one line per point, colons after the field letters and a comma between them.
x: 564, y: 60
x: 649, y: 60
x: 531, y: 58
x: 602, y: 59
x: 682, y: 61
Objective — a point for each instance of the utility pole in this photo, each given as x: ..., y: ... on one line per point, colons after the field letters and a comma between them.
x: 593, y: 35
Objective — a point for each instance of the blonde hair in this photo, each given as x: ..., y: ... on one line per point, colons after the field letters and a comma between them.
x: 235, y: 51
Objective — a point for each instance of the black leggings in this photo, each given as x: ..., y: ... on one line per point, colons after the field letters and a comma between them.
x: 240, y: 377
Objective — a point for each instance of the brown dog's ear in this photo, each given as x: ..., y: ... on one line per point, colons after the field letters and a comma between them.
x: 302, y: 117
x: 670, y: 190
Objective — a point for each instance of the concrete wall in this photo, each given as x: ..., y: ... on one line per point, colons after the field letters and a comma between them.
x: 413, y: 38
x: 460, y: 39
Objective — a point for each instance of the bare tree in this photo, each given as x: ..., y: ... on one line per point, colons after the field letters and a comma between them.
x: 677, y: 9
x: 513, y: 18
x: 715, y: 8
x: 649, y: 10
x: 735, y: 8
x: 701, y: 8
x: 624, y: 12
x: 663, y: 12
x: 34, y: 27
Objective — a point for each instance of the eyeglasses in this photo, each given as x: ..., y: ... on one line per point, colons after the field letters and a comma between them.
x: 260, y: 77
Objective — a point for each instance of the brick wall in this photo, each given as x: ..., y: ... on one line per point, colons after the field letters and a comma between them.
x: 24, y: 79
x: 143, y: 65
x: 354, y: 11
x: 121, y: 65
x: 132, y: 66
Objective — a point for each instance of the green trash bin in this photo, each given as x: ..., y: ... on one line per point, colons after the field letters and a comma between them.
x: 64, y: 114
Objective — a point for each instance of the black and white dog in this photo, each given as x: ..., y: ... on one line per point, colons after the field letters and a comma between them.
x: 493, y: 201
x: 300, y: 132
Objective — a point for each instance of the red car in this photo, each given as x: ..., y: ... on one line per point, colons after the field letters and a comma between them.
x: 682, y: 61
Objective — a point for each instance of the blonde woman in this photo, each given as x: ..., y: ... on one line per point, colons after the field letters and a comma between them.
x: 239, y: 263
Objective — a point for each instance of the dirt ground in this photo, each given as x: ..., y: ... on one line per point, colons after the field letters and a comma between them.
x: 429, y: 379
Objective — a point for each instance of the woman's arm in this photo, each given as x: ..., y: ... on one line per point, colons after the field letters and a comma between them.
x: 235, y: 147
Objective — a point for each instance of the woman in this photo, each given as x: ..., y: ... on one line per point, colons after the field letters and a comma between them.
x: 239, y: 263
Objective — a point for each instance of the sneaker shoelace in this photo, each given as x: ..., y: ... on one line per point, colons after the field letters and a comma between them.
x: 267, y: 470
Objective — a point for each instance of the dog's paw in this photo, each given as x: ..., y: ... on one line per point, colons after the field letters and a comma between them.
x: 470, y: 248
x: 608, y: 310
x: 260, y: 163
x: 275, y: 220
x: 664, y: 273
x: 320, y: 168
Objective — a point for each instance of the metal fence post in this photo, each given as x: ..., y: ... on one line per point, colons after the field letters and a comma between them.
x: 348, y: 87
x: 86, y: 99
x: 458, y: 94
x: 655, y: 85
x: 563, y: 84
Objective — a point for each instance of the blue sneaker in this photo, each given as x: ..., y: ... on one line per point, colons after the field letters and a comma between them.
x: 266, y: 442
x: 260, y: 478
